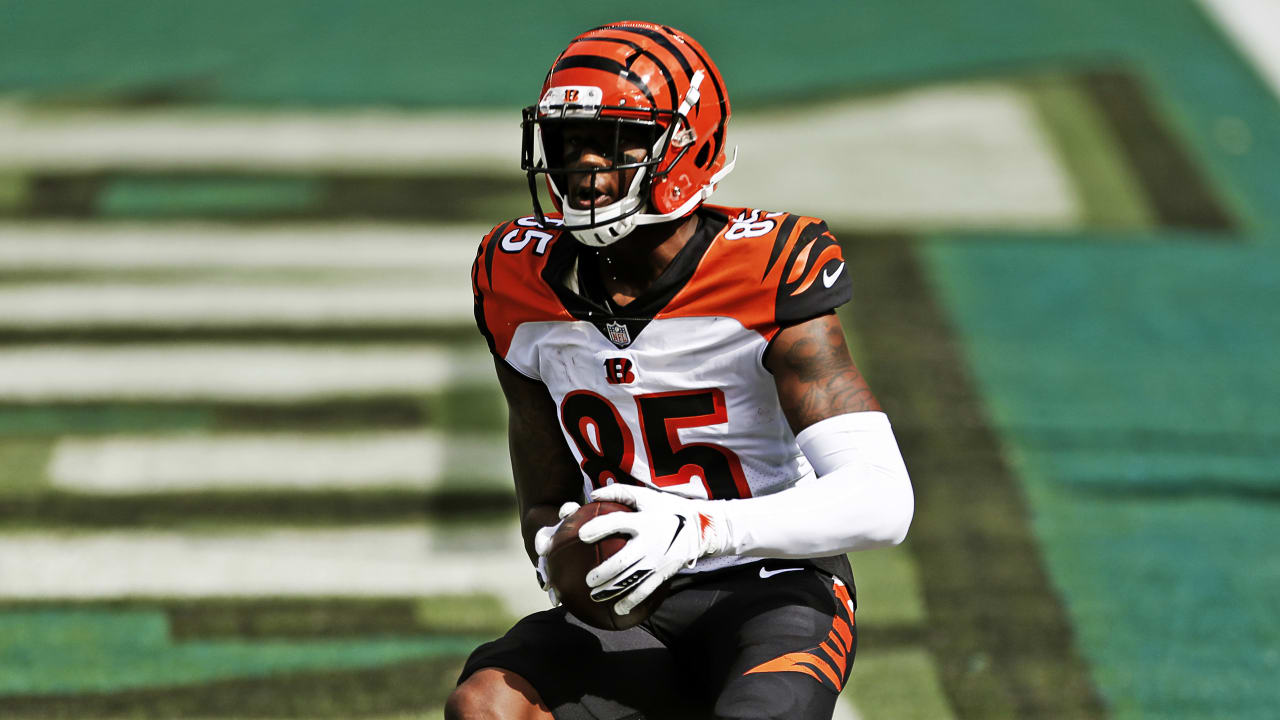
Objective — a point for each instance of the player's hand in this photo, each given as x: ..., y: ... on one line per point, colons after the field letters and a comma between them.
x: 542, y: 545
x: 667, y: 532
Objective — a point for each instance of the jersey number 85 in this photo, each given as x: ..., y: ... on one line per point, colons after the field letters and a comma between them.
x: 607, y: 445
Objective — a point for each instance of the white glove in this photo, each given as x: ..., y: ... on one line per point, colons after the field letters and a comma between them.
x: 542, y: 546
x: 667, y: 532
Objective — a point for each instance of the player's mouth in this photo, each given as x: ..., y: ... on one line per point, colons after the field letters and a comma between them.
x: 585, y: 197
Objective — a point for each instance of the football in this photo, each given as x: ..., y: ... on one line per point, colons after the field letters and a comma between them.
x: 569, y: 560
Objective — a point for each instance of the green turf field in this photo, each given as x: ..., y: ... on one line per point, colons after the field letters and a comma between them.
x: 252, y: 455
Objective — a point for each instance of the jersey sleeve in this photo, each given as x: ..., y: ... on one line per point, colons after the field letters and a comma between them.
x: 482, y: 286
x: 767, y: 271
x: 814, y: 280
x: 509, y: 291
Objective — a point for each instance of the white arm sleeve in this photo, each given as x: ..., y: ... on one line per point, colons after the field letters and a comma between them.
x: 860, y: 499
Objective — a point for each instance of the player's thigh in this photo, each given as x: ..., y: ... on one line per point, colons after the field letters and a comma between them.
x: 779, y: 646
x: 583, y: 672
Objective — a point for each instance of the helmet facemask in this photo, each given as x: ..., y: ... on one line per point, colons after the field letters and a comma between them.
x: 632, y: 142
x: 631, y: 150
x: 666, y: 136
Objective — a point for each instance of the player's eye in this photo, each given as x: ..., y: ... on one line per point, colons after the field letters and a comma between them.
x: 632, y: 137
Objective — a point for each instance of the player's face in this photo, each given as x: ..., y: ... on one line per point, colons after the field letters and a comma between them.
x: 591, y: 146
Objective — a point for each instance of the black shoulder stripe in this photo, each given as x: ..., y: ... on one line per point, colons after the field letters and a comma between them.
x: 811, y: 285
x: 489, y: 252
x: 808, y: 233
x: 639, y: 52
x: 779, y: 242
x: 475, y: 270
x: 595, y: 62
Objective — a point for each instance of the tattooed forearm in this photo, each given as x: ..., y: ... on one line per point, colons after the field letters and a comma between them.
x: 815, y: 376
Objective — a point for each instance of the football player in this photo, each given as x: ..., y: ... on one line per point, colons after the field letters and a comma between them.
x: 684, y: 359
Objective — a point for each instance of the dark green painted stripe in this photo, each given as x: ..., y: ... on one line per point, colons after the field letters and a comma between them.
x: 266, y: 275
x: 223, y: 509
x: 54, y: 419
x: 1177, y: 192
x: 479, y: 615
x: 1107, y: 188
x: 462, y: 333
x: 461, y: 408
x: 892, y: 637
x: 1255, y: 442
x: 402, y: 687
x: 1003, y: 642
x: 442, y: 197
x: 311, y: 617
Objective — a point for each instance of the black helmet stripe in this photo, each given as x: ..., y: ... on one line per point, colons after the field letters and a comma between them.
x: 715, y: 82
x: 665, y: 42
x: 595, y: 62
x: 659, y: 38
x: 671, y: 82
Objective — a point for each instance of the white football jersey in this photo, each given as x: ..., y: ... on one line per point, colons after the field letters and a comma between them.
x: 669, y: 391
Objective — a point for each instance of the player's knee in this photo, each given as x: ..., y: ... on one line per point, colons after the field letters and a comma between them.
x: 494, y: 693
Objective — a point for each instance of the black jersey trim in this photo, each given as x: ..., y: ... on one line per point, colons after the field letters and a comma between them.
x: 478, y: 309
x: 494, y: 238
x: 589, y: 302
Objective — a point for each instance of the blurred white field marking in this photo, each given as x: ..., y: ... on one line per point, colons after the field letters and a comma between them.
x: 48, y: 373
x: 298, y: 141
x: 383, y: 561
x: 1254, y: 25
x: 968, y: 155
x: 328, y: 304
x: 372, y: 275
x: 150, y: 464
x: 429, y: 250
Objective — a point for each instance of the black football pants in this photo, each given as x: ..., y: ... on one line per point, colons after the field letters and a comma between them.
x: 773, y: 639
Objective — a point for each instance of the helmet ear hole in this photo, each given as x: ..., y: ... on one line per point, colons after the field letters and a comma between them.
x: 704, y: 155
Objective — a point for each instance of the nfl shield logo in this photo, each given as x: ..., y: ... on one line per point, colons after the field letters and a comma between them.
x: 618, y: 334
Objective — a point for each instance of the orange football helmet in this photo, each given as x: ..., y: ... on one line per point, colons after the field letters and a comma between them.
x: 646, y: 81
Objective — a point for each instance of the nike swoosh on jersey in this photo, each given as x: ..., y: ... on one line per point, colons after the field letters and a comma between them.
x: 828, y: 279
x: 767, y: 573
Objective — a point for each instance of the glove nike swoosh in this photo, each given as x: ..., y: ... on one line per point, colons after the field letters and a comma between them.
x: 679, y: 527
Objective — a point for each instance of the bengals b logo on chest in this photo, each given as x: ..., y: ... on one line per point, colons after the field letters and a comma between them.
x: 619, y: 371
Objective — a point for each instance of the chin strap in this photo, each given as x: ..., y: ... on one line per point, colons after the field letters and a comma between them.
x: 698, y: 198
